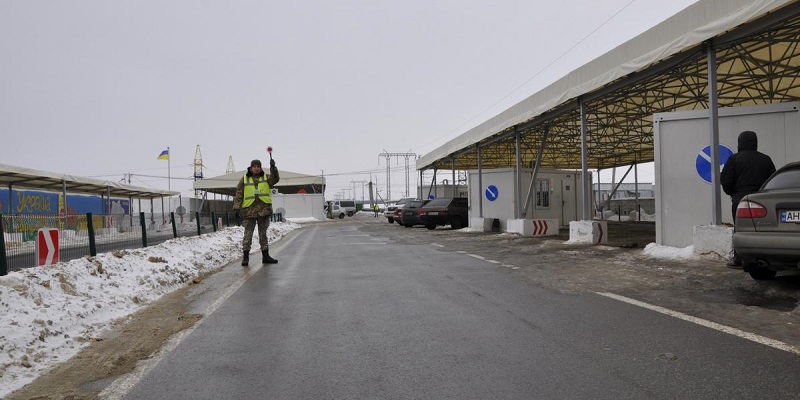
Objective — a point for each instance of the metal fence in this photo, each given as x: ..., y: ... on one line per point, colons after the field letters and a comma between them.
x: 84, y: 235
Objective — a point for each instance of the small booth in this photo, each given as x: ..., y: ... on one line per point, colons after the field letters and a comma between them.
x: 556, y: 195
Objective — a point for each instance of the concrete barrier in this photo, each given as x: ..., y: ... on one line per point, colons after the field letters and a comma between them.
x: 484, y: 224
x: 595, y: 232
x: 716, y: 239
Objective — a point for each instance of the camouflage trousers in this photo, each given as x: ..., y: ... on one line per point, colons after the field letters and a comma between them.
x: 249, y: 226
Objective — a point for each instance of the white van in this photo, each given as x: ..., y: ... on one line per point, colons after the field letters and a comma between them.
x: 347, y: 206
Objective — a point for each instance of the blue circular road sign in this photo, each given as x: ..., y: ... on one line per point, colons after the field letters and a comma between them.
x: 491, y: 192
x: 703, y: 161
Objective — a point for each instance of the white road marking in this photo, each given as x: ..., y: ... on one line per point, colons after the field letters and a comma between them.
x: 436, y: 244
x: 708, y: 324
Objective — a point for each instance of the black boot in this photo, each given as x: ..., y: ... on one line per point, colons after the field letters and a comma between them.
x: 266, y: 259
x: 245, y: 258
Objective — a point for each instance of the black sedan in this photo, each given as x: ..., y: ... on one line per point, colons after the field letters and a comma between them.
x: 453, y: 212
x: 409, y: 216
x: 767, y: 233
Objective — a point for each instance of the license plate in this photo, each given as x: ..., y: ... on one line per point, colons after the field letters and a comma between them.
x: 790, y: 216
x: 433, y: 213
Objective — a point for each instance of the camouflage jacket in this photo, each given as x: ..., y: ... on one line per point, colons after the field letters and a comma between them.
x: 258, y: 208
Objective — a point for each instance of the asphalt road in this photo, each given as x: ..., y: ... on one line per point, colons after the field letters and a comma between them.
x: 350, y: 314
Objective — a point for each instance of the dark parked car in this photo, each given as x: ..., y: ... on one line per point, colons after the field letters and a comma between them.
x: 409, y: 214
x: 390, y: 209
x: 396, y: 214
x: 453, y: 212
x: 767, y: 234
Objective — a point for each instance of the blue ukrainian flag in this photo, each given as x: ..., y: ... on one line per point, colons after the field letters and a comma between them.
x: 164, y: 155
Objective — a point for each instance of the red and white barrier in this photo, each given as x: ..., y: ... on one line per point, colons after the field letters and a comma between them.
x: 595, y: 232
x: 533, y: 227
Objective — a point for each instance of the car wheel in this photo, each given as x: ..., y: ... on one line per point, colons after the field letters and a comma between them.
x: 430, y: 226
x: 455, y: 223
x: 762, y: 274
x: 349, y: 213
x: 341, y: 216
x: 391, y: 220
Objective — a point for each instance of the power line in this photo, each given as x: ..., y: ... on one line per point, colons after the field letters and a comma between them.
x: 460, y: 127
x: 388, y: 170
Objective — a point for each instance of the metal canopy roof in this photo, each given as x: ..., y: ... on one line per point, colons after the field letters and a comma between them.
x: 661, y: 70
x: 43, y: 180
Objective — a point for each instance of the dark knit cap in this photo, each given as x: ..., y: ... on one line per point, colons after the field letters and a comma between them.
x: 255, y: 163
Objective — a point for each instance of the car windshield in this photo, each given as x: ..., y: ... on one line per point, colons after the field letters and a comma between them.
x: 415, y: 203
x: 787, y: 179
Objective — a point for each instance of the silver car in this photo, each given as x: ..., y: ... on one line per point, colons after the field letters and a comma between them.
x: 767, y: 233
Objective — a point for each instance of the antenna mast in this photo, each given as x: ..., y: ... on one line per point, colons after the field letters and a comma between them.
x: 198, y: 167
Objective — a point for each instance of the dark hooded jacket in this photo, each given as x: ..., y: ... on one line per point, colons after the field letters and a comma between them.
x: 258, y: 208
x: 747, y: 170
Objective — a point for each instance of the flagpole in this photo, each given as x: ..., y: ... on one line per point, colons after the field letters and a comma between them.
x: 169, y: 177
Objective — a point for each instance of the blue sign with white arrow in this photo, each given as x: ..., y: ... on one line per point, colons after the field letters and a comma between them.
x: 491, y: 192
x: 703, y: 161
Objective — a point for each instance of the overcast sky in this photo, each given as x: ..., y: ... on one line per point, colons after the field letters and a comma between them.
x: 99, y: 89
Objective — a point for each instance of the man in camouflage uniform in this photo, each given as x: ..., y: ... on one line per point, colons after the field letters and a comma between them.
x: 254, y: 200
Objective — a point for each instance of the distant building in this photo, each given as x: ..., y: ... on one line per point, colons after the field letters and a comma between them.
x: 602, y: 191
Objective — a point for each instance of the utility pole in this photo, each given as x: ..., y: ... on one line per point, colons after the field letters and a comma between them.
x: 388, y: 157
x: 230, y: 169
x: 371, y: 196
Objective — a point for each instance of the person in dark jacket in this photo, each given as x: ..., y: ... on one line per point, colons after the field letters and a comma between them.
x: 744, y: 173
x: 253, y: 198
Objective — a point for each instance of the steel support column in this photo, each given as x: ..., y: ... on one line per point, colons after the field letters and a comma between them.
x: 453, y: 166
x: 480, y: 181
x: 587, y: 189
x: 64, y: 193
x: 525, y: 205
x: 711, y: 56
x: 518, y: 174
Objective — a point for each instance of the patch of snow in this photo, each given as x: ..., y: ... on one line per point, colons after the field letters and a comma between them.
x: 302, y: 220
x: 670, y: 253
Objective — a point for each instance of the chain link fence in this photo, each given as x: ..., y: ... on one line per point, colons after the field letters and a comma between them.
x: 84, y: 235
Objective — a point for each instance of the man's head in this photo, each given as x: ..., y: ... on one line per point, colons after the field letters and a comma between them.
x: 255, y: 167
x: 748, y: 140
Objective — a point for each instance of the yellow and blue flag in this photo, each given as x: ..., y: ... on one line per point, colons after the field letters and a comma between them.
x: 164, y: 155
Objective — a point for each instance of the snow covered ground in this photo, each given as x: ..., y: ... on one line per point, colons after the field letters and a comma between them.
x: 47, y: 314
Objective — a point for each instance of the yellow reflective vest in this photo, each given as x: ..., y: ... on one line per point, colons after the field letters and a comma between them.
x: 250, y: 194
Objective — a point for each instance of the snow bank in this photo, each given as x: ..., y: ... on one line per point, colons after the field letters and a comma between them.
x: 670, y: 253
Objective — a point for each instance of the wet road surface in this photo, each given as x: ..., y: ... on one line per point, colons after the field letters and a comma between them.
x: 355, y: 310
